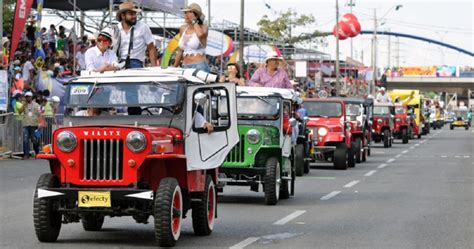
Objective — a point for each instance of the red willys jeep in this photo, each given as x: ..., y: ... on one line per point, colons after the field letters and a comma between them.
x: 330, y: 132
x: 134, y: 145
x: 382, y: 124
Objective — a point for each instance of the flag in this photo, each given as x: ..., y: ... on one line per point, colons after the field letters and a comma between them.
x: 22, y: 11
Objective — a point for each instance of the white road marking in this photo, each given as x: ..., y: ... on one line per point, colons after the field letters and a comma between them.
x: 416, y: 145
x: 330, y: 195
x: 399, y: 155
x: 466, y: 156
x: 351, y: 184
x: 289, y: 217
x: 381, y: 166
x: 444, y: 156
x: 390, y: 160
x: 405, y: 151
x: 457, y: 156
x: 370, y: 173
x: 411, y: 148
x: 244, y: 243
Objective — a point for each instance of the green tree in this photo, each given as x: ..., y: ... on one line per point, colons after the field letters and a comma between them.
x: 8, y: 9
x: 283, y: 26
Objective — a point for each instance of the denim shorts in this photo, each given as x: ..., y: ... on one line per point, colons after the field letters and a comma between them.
x: 203, y: 66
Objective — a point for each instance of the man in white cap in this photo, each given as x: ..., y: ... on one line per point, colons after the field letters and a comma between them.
x: 133, y: 38
x: 382, y: 96
x: 100, y: 58
x: 271, y: 75
x: 30, y: 114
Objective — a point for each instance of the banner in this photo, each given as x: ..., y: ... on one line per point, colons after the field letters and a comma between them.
x: 446, y: 71
x: 3, y: 90
x: 54, y: 85
x: 419, y: 71
x: 218, y: 44
x: 22, y: 11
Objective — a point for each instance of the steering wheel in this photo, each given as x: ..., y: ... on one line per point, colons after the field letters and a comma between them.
x: 147, y: 109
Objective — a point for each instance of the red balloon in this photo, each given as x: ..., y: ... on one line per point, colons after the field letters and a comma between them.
x: 346, y: 28
x: 342, y: 35
x: 349, y: 18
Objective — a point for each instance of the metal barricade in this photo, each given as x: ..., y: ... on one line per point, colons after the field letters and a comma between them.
x: 11, y: 134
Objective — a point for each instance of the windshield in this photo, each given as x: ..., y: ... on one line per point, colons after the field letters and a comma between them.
x: 462, y: 114
x: 400, y: 110
x: 354, y: 110
x: 256, y: 107
x: 152, y: 96
x: 324, y: 109
x: 381, y: 110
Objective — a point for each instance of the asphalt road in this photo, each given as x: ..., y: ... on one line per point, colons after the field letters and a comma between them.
x: 419, y: 195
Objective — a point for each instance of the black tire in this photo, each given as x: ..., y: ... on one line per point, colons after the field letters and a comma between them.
x: 204, y: 211
x: 307, y: 166
x: 284, y: 189
x: 92, y: 222
x: 358, y: 150
x: 168, y: 212
x: 368, y: 151
x: 340, y: 156
x: 351, y: 156
x: 47, y: 221
x: 451, y: 127
x: 419, y: 136
x: 272, y: 181
x: 386, y: 139
x: 299, y: 159
x: 467, y: 128
x: 404, y: 136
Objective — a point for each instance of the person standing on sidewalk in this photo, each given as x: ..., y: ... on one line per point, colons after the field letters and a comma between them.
x: 132, y: 38
x: 30, y: 120
x: 193, y: 41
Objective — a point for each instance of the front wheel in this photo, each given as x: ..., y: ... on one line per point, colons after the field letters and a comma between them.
x: 47, y: 221
x: 204, y: 210
x: 92, y: 222
x: 358, y: 150
x: 386, y: 139
x: 272, y: 181
x: 404, y: 136
x: 467, y: 127
x: 340, y: 156
x: 299, y: 159
x: 168, y: 210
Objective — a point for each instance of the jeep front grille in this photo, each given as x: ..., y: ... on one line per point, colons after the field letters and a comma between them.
x: 237, y: 154
x: 102, y: 159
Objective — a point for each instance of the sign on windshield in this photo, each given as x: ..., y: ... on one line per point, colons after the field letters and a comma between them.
x: 123, y: 94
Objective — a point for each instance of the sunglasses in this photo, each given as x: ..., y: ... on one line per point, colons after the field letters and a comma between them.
x: 230, y: 67
x: 102, y: 39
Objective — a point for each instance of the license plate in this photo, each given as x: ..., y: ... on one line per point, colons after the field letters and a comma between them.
x: 94, y: 199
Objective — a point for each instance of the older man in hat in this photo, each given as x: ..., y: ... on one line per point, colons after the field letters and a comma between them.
x: 382, y: 96
x: 271, y: 75
x: 100, y: 58
x: 133, y: 38
x: 30, y: 114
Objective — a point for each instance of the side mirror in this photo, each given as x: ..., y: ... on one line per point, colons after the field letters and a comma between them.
x: 200, y: 99
x: 293, y: 122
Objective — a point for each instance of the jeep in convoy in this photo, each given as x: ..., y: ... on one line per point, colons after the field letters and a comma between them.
x: 330, y: 132
x: 265, y: 152
x: 137, y: 143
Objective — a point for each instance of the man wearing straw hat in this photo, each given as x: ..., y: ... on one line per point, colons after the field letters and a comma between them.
x: 271, y: 75
x: 133, y: 38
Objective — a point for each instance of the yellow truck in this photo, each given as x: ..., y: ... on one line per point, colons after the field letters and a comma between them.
x: 409, y: 102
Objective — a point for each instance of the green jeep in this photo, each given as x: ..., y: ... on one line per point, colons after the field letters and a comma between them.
x: 266, y: 148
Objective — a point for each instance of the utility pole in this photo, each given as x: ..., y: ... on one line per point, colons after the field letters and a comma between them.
x: 374, y: 55
x: 389, y: 51
x: 241, y: 37
x: 351, y: 4
x: 1, y: 19
x: 398, y: 52
x: 338, y: 85
x: 209, y: 12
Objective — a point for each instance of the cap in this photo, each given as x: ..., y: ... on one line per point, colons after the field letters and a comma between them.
x: 125, y: 7
x: 106, y: 33
x: 55, y: 99
x: 272, y: 55
x: 29, y: 94
x: 194, y: 7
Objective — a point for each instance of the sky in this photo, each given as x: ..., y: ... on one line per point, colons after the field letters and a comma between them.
x: 451, y: 22
x: 447, y: 21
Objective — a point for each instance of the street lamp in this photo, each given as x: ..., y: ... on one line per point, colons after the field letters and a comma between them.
x: 374, y: 45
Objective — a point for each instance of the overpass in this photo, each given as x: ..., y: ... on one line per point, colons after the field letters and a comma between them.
x: 457, y: 85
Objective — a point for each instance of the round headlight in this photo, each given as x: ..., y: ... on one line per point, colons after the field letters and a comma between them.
x: 66, y: 141
x: 136, y: 141
x: 322, y: 132
x: 253, y: 136
x: 379, y: 121
x: 397, y: 120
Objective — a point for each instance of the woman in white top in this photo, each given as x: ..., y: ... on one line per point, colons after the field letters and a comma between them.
x: 193, y: 41
x: 100, y: 58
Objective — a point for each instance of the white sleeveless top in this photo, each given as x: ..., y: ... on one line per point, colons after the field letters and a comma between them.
x: 190, y: 44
